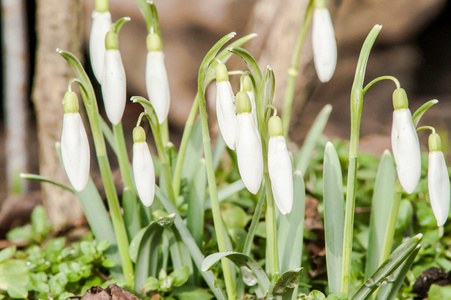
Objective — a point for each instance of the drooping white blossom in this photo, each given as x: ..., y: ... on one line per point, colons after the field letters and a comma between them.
x: 143, y: 168
x: 279, y: 167
x: 324, y: 44
x: 101, y: 24
x: 225, y: 107
x: 405, y: 144
x: 247, y: 87
x: 75, y: 151
x: 157, y: 83
x: 248, y: 145
x: 438, y: 181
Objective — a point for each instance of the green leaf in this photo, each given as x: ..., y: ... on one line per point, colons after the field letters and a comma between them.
x: 234, y: 216
x: 147, y: 259
x: 108, y: 263
x: 7, y: 253
x: 196, y: 202
x: 251, y: 63
x: 152, y: 284
x: 191, y: 293
x: 102, y: 246
x: 291, y: 228
x: 22, y: 233
x: 180, y: 276
x: 17, y: 291
x: 193, y: 152
x: 420, y: 111
x: 317, y: 295
x: 384, y: 192
x: 14, y: 277
x: 39, y: 226
x: 287, y: 283
x: 240, y: 260
x: 134, y: 245
x: 253, y: 228
x: 131, y: 217
x: 266, y: 94
x: 88, y: 248
x: 437, y: 292
x: 302, y: 158
x: 334, y: 214
x: 179, y: 252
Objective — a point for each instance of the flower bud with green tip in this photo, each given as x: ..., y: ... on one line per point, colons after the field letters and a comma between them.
x: 248, y: 145
x: 225, y: 108
x: 75, y: 151
x: 405, y: 144
x: 279, y: 167
x: 157, y: 83
x: 438, y: 180
x: 101, y: 24
x: 323, y: 42
x: 114, y: 81
x: 248, y: 88
x: 143, y: 169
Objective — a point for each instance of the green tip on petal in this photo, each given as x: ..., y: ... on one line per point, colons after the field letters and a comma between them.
x: 70, y: 102
x: 221, y: 73
x: 247, y: 84
x: 101, y: 6
x: 320, y: 4
x: 153, y: 42
x: 139, y: 135
x: 435, y: 143
x: 243, y: 103
x: 400, y: 99
x: 111, y: 41
x: 275, y: 126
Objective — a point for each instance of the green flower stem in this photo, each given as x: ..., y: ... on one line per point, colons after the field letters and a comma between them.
x: 293, y: 70
x: 122, y: 156
x: 164, y: 132
x: 387, y: 77
x: 356, y: 112
x: 391, y: 226
x: 270, y: 220
x: 184, y: 144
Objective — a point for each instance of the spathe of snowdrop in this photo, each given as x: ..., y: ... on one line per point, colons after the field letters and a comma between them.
x: 114, y: 81
x: 101, y: 24
x: 248, y: 145
x: 74, y: 144
x: 247, y: 87
x: 143, y: 169
x: 279, y: 167
x: 157, y: 84
x: 225, y: 108
x: 405, y: 144
x: 323, y: 42
x: 438, y: 180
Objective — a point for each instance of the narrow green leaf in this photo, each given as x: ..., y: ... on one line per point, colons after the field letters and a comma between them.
x: 384, y: 192
x: 334, y: 213
x: 179, y: 253
x: 193, y: 152
x: 134, y: 244
x: 266, y: 94
x: 147, y: 259
x: 43, y: 179
x: 250, y: 61
x: 131, y: 212
x: 154, y: 23
x: 116, y: 27
x: 241, y: 260
x: 227, y: 191
x: 387, y: 268
x: 218, y: 150
x: 108, y: 134
x: 145, y: 10
x: 254, y: 223
x: 291, y: 228
x: 196, y: 202
x: 302, y: 158
x: 416, y: 117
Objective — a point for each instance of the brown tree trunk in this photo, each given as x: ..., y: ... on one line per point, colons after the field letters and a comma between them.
x: 58, y: 26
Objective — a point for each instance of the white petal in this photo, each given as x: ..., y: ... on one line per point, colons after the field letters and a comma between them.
x: 254, y: 108
x: 101, y: 24
x: 439, y: 187
x: 75, y: 151
x: 324, y: 44
x: 114, y: 86
x: 406, y: 149
x: 280, y: 173
x: 249, y: 152
x: 157, y: 84
x: 225, y: 112
x: 144, y: 173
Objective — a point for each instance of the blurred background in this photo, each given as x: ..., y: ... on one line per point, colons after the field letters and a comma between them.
x: 414, y: 46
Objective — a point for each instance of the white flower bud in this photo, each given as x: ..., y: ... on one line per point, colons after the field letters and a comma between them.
x: 324, y: 44
x: 439, y: 187
x: 249, y: 152
x: 406, y: 149
x: 114, y: 86
x: 157, y: 84
x: 101, y: 24
x: 143, y: 169
x: 75, y: 150
x: 280, y: 173
x: 225, y: 112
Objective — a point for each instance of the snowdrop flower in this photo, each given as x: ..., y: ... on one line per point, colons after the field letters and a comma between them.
x: 143, y: 169
x: 225, y: 108
x: 101, y: 24
x: 438, y: 180
x: 405, y: 144
x: 324, y: 44
x: 74, y: 144
x: 248, y: 145
x: 247, y: 87
x: 157, y: 84
x: 279, y: 167
x: 113, y: 82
